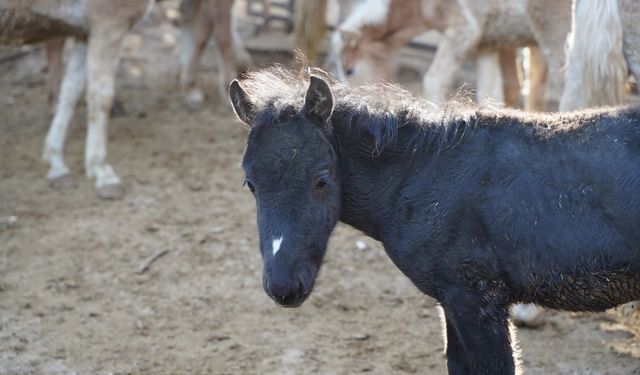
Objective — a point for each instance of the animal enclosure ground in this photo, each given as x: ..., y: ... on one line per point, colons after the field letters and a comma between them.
x: 72, y: 300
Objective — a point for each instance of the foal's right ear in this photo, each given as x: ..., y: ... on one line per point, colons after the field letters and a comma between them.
x: 242, y: 105
x: 318, y: 102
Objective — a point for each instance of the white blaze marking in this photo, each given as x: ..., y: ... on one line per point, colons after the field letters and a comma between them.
x: 276, y: 245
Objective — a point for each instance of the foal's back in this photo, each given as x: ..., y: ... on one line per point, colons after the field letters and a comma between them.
x: 563, y: 207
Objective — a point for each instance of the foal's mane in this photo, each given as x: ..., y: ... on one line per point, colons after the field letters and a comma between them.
x: 381, y: 110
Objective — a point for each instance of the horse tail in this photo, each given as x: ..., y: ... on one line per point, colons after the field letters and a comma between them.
x: 596, y: 67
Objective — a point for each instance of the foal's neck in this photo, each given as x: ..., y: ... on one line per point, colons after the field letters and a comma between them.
x: 379, y: 153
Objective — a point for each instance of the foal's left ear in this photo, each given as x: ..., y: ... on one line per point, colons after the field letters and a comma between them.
x: 242, y: 105
x: 318, y: 102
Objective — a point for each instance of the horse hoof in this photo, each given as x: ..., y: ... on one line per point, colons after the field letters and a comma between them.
x: 111, y: 191
x: 62, y: 182
x: 117, y: 109
x: 194, y: 99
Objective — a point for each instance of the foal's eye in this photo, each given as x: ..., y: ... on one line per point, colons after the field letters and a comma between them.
x: 321, y: 183
x: 348, y: 72
x: 248, y: 184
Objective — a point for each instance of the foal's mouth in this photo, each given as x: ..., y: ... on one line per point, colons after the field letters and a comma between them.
x: 289, y: 300
x: 292, y: 305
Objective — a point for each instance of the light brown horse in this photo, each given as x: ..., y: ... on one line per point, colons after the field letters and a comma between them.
x: 55, y: 68
x: 370, y: 37
x: 99, y: 28
x: 200, y: 20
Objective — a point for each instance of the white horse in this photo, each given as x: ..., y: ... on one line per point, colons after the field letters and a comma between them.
x: 604, y: 45
x: 99, y: 28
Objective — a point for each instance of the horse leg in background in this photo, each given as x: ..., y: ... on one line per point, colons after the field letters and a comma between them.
x: 220, y: 11
x: 483, y: 329
x: 73, y: 84
x: 490, y: 84
x: 550, y: 21
x: 102, y: 61
x: 195, y: 30
x: 241, y: 57
x: 55, y: 68
x: 510, y: 81
x: 538, y: 73
x: 459, y: 40
x: 310, y: 27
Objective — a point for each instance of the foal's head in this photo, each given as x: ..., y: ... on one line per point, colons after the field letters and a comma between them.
x: 290, y: 167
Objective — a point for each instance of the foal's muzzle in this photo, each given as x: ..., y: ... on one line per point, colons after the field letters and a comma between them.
x: 287, y: 293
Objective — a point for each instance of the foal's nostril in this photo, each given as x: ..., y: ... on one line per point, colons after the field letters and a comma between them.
x: 285, y: 293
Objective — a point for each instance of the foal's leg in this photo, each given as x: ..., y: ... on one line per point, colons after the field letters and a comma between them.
x: 457, y: 362
x: 103, y: 57
x: 72, y: 86
x: 482, y: 330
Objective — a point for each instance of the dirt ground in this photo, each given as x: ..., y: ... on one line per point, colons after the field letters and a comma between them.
x: 72, y: 301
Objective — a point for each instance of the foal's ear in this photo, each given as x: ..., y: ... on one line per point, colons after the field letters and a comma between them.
x: 318, y: 102
x: 242, y: 105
